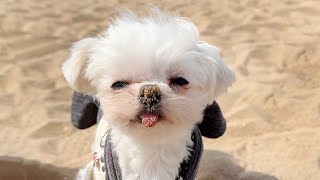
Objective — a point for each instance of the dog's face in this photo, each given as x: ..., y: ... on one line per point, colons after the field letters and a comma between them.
x: 150, y: 74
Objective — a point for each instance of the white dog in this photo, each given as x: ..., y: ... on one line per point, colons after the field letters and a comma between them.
x: 153, y: 78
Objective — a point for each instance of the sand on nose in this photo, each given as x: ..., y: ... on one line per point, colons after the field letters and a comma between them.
x: 20, y: 169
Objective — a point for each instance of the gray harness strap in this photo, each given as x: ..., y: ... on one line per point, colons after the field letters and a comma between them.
x: 188, y: 168
x: 113, y: 171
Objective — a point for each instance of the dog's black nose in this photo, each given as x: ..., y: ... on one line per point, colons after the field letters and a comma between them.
x: 150, y: 96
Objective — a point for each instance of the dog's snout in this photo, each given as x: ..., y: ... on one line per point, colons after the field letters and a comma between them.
x: 150, y: 95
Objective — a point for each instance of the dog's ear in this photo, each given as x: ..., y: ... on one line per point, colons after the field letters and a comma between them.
x: 74, y: 69
x: 220, y: 76
x: 213, y: 124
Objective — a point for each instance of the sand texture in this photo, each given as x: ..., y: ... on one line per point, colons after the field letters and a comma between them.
x: 272, y: 111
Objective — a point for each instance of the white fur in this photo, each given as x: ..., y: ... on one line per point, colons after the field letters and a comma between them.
x: 148, y: 50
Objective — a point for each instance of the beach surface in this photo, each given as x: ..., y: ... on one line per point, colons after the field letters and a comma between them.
x: 272, y: 111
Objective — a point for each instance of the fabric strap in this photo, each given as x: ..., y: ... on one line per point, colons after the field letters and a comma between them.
x: 189, y: 168
x: 113, y: 171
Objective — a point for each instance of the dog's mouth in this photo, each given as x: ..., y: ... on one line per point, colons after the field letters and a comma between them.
x: 149, y: 119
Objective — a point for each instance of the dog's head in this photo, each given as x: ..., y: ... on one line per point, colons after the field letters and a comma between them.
x: 149, y: 71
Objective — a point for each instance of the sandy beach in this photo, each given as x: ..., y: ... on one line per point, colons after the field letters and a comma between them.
x: 272, y: 111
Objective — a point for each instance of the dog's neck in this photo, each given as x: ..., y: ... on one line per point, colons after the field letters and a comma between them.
x: 147, y: 159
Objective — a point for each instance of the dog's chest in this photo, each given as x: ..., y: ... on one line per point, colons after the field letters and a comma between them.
x: 143, y: 161
x: 158, y: 162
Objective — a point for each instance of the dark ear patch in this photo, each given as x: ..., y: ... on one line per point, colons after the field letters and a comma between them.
x: 213, y: 124
x: 84, y: 111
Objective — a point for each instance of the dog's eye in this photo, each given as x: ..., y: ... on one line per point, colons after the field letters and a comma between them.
x: 119, y: 85
x: 179, y: 81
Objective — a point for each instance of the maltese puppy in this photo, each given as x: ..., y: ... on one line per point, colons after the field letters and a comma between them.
x: 153, y: 79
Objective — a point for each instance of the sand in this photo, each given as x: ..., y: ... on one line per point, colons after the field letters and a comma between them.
x: 272, y: 111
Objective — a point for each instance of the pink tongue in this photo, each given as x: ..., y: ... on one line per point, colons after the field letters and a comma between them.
x: 149, y: 120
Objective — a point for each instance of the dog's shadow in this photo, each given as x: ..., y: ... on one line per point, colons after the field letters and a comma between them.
x: 12, y: 168
x: 216, y: 165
